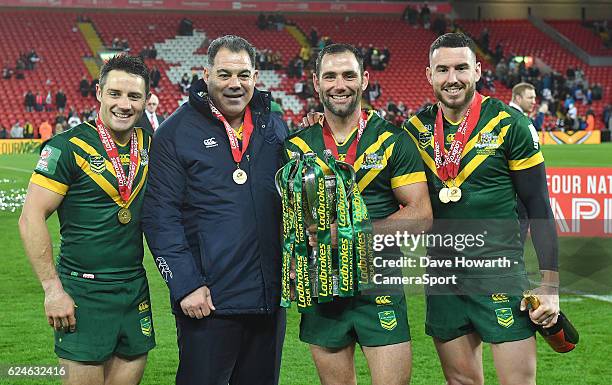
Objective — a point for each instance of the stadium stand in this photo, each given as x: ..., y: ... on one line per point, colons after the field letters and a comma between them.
x: 584, y: 37
x: 62, y: 48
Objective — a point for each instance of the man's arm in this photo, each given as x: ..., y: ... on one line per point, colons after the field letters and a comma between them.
x: 164, y: 231
x: 530, y: 185
x: 40, y: 203
x: 414, y: 217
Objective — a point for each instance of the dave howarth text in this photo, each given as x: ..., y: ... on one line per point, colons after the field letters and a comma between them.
x: 457, y: 262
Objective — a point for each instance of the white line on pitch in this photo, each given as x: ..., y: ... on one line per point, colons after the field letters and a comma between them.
x: 16, y: 169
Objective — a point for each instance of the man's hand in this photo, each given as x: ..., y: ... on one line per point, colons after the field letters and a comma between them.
x: 312, y: 235
x: 198, y: 304
x: 547, y: 313
x: 59, y: 309
x: 311, y: 119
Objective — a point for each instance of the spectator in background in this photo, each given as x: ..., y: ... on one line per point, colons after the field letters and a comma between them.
x: 45, y: 131
x: 155, y: 77
x: 572, y: 116
x: 151, y: 120
x: 17, y: 130
x: 313, y: 36
x: 538, y: 122
x: 29, y: 101
x: 425, y: 16
x: 28, y: 130
x: 38, y: 102
x: 4, y: 133
x: 60, y: 100
x: 261, y: 22
x: 590, y: 120
x: 92, y: 87
x: 185, y: 83
x: 523, y: 98
x: 374, y: 91
x: 84, y: 87
x: 49, y: 102
x: 7, y: 72
x: 74, y: 121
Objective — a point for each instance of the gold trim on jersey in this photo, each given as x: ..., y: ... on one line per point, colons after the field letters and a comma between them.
x: 478, y: 159
x: 372, y: 149
x: 102, y: 182
x: 49, y: 184
x: 302, y: 145
x: 522, y: 164
x: 92, y: 151
x: 474, y: 162
x: 370, y: 175
x: 406, y: 179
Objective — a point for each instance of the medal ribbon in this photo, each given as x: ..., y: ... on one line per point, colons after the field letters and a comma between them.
x: 346, y: 255
x: 351, y: 153
x: 125, y: 184
x: 246, y: 132
x: 322, y: 207
x: 303, y: 287
x: 288, y: 234
x: 447, y: 163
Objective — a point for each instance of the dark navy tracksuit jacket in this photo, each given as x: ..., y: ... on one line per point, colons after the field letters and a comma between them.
x: 202, y: 227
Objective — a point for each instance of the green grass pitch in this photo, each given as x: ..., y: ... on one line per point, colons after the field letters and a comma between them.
x: 25, y: 337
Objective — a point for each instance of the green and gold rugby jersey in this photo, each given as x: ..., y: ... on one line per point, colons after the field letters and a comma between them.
x: 93, y: 242
x: 386, y: 159
x: 504, y: 140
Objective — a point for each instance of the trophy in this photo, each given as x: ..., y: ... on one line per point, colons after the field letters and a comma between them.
x: 321, y: 192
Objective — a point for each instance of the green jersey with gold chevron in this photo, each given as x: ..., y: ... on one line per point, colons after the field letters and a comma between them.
x: 504, y: 140
x: 93, y: 242
x: 386, y: 159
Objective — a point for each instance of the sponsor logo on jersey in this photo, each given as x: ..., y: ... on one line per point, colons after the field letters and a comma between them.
x: 97, y: 164
x: 88, y: 276
x: 372, y: 161
x: 48, y: 159
x: 165, y: 271
x: 425, y: 139
x: 486, y: 144
x: 210, y: 142
x: 383, y: 300
x: 499, y: 298
x: 143, y: 306
x: 144, y: 157
x: 387, y: 319
x: 450, y: 138
x: 145, y: 326
x: 504, y: 317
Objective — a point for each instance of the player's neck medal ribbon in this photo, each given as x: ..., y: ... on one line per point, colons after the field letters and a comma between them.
x: 312, y: 194
x: 125, y: 183
x: 239, y: 175
x: 447, y: 162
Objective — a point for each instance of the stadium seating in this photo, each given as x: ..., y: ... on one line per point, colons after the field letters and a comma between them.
x: 61, y: 50
x: 582, y: 36
x: 404, y: 80
x: 533, y: 42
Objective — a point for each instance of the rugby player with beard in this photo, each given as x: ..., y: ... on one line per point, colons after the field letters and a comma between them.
x: 389, y: 173
x: 479, y: 155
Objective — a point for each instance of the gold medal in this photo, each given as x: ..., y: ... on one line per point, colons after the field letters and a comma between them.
x: 444, y: 195
x: 240, y: 177
x: 454, y: 194
x: 124, y: 215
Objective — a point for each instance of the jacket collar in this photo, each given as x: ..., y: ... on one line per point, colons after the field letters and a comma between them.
x: 198, y: 99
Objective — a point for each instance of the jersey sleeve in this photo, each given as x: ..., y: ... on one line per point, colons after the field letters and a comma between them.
x: 54, y: 170
x: 523, y: 149
x: 406, y: 163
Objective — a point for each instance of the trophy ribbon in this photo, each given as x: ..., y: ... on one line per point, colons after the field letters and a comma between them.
x: 322, y: 206
x: 288, y: 234
x: 346, y: 255
x: 364, y: 242
x: 303, y: 287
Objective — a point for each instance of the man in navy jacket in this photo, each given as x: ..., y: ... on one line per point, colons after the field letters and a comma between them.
x: 212, y: 222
